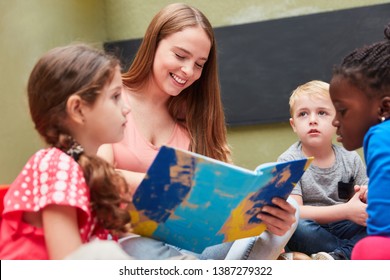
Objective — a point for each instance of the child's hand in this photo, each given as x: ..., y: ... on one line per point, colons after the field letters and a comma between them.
x: 362, y: 190
x: 357, y: 210
x: 278, y: 218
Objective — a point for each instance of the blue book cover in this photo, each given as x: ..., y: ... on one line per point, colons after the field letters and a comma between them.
x: 192, y: 201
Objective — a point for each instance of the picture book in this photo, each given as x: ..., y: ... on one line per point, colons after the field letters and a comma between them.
x: 192, y: 201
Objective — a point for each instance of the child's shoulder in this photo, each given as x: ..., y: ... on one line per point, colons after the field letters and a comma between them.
x: 49, y: 156
x: 50, y: 176
x: 48, y: 165
x: 292, y: 152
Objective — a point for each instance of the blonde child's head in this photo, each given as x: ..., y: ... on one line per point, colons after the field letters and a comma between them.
x: 315, y: 88
x: 312, y: 113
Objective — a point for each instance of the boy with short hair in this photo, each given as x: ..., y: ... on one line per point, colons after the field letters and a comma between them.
x: 332, y: 213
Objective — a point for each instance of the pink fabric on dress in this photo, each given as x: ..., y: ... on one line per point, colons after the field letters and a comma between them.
x: 49, y: 177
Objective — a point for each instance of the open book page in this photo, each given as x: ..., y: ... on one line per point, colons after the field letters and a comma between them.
x: 192, y: 201
x: 278, y: 179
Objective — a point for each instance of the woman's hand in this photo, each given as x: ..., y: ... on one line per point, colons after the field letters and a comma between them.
x: 278, y: 218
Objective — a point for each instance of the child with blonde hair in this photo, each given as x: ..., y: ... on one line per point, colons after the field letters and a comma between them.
x: 332, y: 215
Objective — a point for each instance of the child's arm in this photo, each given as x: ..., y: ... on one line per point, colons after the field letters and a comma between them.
x: 61, y: 230
x: 354, y: 210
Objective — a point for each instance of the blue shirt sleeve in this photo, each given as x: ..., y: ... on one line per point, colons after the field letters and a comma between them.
x: 377, y: 155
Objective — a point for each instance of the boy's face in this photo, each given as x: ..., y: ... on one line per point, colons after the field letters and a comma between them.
x: 312, y: 120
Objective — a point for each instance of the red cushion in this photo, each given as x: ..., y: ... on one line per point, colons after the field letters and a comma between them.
x: 3, y: 191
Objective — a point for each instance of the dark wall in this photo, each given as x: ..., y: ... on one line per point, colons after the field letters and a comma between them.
x: 261, y: 63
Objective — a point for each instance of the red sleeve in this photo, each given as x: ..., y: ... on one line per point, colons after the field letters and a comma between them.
x: 49, y: 177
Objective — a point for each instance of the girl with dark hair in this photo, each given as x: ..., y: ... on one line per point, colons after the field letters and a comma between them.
x: 360, y: 92
x: 65, y: 195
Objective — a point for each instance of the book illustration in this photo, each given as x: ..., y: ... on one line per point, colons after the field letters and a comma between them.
x: 192, y: 201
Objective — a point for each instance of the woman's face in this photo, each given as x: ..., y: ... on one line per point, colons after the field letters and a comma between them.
x: 179, y: 60
x: 355, y: 112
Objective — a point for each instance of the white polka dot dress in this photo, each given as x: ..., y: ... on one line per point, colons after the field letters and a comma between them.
x: 49, y: 177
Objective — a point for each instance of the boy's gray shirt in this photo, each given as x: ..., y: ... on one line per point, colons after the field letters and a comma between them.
x: 319, y: 186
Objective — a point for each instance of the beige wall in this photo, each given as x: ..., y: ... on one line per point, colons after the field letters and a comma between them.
x: 253, y: 145
x: 29, y: 28
x: 128, y: 19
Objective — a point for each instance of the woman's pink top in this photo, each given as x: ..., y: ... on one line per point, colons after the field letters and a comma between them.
x: 135, y: 153
x: 49, y: 177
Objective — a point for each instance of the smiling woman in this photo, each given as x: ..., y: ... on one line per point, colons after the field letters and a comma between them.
x: 172, y: 89
x: 180, y: 56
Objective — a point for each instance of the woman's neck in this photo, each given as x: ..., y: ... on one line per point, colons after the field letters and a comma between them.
x: 150, y: 94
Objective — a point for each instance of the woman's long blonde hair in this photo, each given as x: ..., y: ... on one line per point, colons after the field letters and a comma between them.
x: 199, y: 107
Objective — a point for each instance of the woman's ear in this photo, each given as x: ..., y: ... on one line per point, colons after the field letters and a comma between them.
x: 74, y: 109
x: 385, y: 107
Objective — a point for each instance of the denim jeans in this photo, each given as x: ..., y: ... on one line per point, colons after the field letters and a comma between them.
x: 266, y: 246
x: 263, y: 247
x: 338, y: 237
x: 109, y: 250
